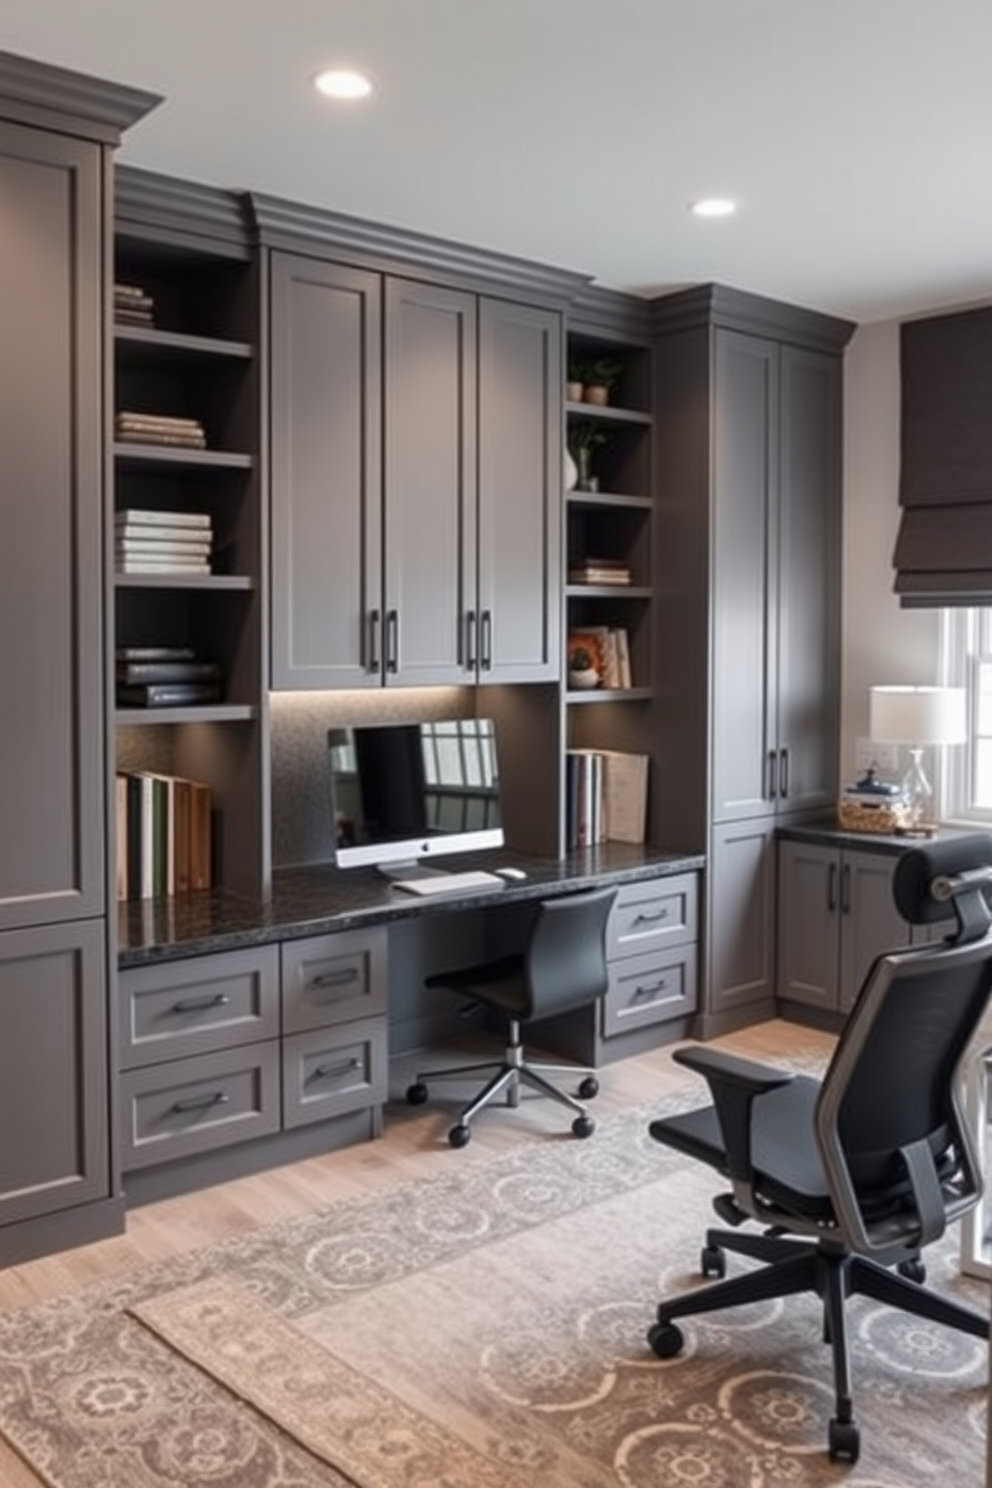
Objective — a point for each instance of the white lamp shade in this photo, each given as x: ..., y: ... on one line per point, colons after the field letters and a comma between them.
x: 918, y: 715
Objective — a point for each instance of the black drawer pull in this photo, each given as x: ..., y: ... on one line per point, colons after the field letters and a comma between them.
x: 642, y: 994
x: 201, y: 1004
x: 652, y: 919
x: 335, y: 978
x: 328, y: 1071
x: 201, y: 1102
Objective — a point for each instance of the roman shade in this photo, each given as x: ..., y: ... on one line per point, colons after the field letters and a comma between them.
x: 943, y: 551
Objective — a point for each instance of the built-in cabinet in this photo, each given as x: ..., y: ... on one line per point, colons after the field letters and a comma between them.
x: 58, y: 1174
x: 415, y: 475
x: 748, y: 411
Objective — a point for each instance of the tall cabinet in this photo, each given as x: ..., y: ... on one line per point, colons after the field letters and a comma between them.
x: 749, y: 448
x: 58, y: 1173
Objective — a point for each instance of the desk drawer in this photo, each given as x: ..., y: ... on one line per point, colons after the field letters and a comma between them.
x: 190, y: 1106
x: 332, y: 1070
x: 193, y: 1007
x: 333, y: 978
x: 649, y: 989
x: 658, y: 912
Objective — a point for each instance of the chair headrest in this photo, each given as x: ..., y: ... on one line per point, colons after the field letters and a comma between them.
x: 952, y: 877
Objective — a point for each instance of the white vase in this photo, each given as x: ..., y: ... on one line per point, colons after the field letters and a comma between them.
x: 570, y: 470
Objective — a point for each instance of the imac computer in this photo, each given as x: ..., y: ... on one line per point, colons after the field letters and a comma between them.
x: 405, y: 792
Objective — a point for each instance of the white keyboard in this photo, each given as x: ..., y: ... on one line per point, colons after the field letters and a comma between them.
x: 448, y: 883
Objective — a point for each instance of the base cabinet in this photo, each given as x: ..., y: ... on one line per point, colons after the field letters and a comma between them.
x: 740, y: 921
x: 651, y: 948
x: 836, y: 914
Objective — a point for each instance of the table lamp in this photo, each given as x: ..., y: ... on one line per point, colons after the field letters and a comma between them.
x: 918, y: 717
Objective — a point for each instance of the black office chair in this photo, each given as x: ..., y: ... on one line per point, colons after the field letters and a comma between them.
x: 872, y: 1162
x: 563, y: 967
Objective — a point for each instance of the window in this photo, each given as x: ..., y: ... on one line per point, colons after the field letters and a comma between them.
x: 965, y: 784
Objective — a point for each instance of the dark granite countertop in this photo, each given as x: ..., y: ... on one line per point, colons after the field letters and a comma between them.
x: 320, y: 899
x: 824, y: 832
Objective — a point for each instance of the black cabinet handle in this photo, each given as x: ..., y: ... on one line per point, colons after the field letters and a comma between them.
x: 486, y: 631
x: 335, y: 978
x: 642, y: 993
x: 201, y: 1102
x: 651, y: 919
x: 201, y: 1004
x: 375, y: 620
x: 392, y: 640
x: 845, y: 889
x: 328, y: 1071
x: 772, y: 774
x: 470, y: 653
x: 783, y: 773
x: 832, y: 888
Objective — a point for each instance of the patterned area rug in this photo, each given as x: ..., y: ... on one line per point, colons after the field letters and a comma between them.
x: 483, y: 1329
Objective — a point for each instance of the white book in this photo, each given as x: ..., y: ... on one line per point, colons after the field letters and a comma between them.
x: 132, y: 517
x: 150, y: 545
x: 129, y: 565
x: 623, y: 656
x: 625, y: 792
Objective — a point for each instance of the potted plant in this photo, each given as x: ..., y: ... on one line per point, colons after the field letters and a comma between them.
x: 583, y: 438
x: 575, y: 380
x: 600, y: 378
x: 581, y: 669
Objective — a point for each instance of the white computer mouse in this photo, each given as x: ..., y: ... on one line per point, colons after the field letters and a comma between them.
x: 511, y: 873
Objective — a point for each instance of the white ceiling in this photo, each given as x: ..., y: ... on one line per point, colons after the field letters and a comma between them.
x: 856, y: 134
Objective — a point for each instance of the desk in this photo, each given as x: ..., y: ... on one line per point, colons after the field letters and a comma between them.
x: 257, y: 1033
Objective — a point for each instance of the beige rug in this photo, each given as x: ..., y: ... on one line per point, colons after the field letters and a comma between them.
x: 485, y: 1329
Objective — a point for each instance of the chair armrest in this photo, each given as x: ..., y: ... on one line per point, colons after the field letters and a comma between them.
x: 734, y: 1084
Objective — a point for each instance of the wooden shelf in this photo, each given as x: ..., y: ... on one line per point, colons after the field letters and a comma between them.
x: 212, y: 713
x: 148, y: 343
x: 146, y: 456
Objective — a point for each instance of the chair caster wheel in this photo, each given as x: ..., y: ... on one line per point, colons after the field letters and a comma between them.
x: 589, y: 1088
x: 416, y: 1093
x: 844, y: 1441
x: 666, y: 1340
x: 913, y: 1270
x: 583, y: 1126
x: 713, y: 1261
x: 459, y: 1136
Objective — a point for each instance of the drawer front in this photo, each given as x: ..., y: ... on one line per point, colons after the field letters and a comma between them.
x: 329, y: 1071
x: 190, y: 1106
x: 649, y: 989
x: 646, y: 916
x: 333, y: 978
x: 196, y: 1006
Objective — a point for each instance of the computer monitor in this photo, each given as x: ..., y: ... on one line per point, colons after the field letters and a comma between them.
x: 402, y: 792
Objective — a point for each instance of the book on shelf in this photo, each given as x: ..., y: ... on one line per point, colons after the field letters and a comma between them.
x: 606, y: 797
x: 599, y: 571
x: 178, y: 542
x: 134, y: 517
x: 190, y: 670
x: 168, y: 694
x: 128, y: 564
x: 154, y: 428
x: 163, y: 834
x: 155, y: 653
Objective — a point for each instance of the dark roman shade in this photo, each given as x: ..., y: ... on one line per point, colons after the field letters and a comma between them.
x: 943, y: 553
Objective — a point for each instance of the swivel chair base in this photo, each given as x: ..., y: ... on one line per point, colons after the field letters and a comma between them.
x: 508, y: 1075
x: 833, y: 1273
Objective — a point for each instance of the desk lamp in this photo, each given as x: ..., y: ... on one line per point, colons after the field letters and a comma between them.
x: 918, y: 717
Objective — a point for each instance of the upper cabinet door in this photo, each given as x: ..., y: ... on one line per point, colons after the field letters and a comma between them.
x: 51, y: 530
x: 520, y: 492
x: 744, y: 743
x: 326, y: 481
x: 430, y: 484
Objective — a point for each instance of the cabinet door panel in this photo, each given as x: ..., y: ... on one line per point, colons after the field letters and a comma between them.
x: 51, y: 406
x: 808, y: 666
x: 741, y: 915
x: 871, y: 924
x: 430, y: 488
x: 808, y: 935
x: 744, y: 538
x: 326, y: 475
x: 53, y: 1070
x: 520, y: 443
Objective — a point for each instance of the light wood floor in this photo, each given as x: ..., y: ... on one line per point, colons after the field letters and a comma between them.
x: 414, y: 1146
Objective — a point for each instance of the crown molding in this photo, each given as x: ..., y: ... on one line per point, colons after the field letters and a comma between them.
x: 70, y: 102
x: 146, y: 202
x: 736, y: 309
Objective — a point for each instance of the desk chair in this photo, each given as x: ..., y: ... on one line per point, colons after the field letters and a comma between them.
x: 873, y: 1162
x: 563, y: 967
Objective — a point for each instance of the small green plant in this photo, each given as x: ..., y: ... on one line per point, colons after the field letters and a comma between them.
x: 586, y: 436
x: 602, y: 372
x: 580, y: 660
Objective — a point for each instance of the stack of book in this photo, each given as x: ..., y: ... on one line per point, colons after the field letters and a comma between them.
x: 599, y: 571
x: 162, y: 542
x: 608, y: 650
x: 164, y: 834
x: 133, y: 306
x: 166, y: 677
x: 168, y: 429
x: 606, y: 797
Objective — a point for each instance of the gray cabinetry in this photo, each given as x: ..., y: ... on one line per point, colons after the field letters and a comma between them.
x: 836, y: 914
x: 651, y: 949
x: 438, y: 561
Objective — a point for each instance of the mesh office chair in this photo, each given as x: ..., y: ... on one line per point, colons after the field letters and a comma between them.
x: 563, y: 967
x: 871, y: 1163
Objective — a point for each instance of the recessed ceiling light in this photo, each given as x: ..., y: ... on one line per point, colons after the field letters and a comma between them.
x: 343, y: 82
x: 713, y: 206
